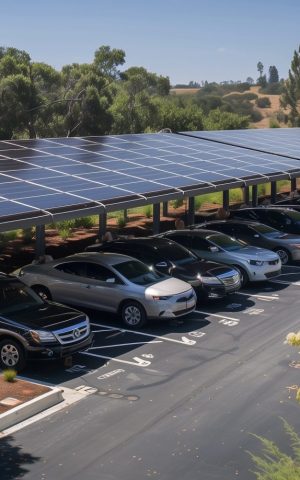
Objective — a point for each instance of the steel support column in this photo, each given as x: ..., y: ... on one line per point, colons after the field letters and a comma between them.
x: 165, y: 209
x: 102, y: 224
x: 246, y: 195
x: 191, y: 211
x: 156, y: 218
x: 293, y: 184
x: 254, y: 196
x: 226, y: 199
x: 40, y: 245
x: 273, y: 192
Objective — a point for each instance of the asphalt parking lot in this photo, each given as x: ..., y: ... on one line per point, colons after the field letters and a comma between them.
x: 178, y: 399
x: 118, y: 351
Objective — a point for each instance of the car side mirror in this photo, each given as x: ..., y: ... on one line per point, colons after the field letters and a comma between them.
x: 214, y: 249
x: 161, y: 265
x: 111, y: 280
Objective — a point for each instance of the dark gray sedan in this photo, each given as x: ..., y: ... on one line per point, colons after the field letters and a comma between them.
x: 287, y: 245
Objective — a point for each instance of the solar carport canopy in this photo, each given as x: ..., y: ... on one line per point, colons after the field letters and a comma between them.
x: 46, y: 180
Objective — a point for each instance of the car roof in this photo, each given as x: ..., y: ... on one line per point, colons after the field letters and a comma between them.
x: 203, y: 232
x: 108, y: 258
x: 263, y: 207
x: 154, y: 241
x: 249, y: 223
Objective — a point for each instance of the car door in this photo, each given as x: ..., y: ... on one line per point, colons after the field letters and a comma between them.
x: 65, y: 282
x: 104, y: 289
x: 202, y: 248
x: 248, y: 235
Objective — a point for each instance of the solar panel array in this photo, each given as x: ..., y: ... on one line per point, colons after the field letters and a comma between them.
x: 44, y: 180
x: 279, y: 141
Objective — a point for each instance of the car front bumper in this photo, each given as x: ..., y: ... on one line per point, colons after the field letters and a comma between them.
x: 56, y: 351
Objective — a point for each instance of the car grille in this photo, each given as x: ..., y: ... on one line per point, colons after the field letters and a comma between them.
x: 186, y: 298
x: 273, y: 262
x: 73, y: 333
x: 273, y: 274
x: 182, y: 312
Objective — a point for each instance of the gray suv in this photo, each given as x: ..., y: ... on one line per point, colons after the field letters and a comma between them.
x: 254, y: 263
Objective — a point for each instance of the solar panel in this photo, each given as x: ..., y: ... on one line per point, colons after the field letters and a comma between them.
x: 52, y: 177
x: 279, y: 141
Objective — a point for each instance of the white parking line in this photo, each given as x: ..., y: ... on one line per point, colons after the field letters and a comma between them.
x: 266, y: 298
x: 284, y: 282
x: 183, y: 341
x: 143, y: 363
x: 125, y: 344
x: 215, y: 315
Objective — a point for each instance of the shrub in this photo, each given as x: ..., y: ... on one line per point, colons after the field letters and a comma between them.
x: 148, y: 211
x: 28, y: 234
x: 273, y: 123
x: 85, y: 222
x: 177, y: 203
x: 263, y: 102
x: 121, y: 222
x: 65, y: 233
x: 7, y: 237
x: 9, y: 375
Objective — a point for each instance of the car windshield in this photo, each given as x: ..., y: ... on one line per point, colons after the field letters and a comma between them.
x: 269, y: 232
x: 226, y: 242
x: 15, y: 296
x: 295, y: 216
x: 176, y: 254
x: 139, y: 273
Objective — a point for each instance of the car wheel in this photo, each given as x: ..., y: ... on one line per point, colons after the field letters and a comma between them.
x: 284, y: 255
x: 133, y: 314
x: 12, y: 355
x: 243, y: 274
x: 42, y: 292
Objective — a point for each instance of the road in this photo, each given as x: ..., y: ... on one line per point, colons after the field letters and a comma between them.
x: 173, y: 401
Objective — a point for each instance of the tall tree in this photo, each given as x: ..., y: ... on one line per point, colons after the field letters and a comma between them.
x: 273, y: 74
x: 291, y: 95
x: 260, y: 68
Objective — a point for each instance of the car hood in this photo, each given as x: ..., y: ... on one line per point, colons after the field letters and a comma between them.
x: 49, y: 316
x: 170, y: 286
x: 254, y: 253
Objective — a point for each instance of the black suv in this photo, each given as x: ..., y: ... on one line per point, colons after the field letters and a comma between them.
x: 33, y: 328
x: 284, y: 219
x: 209, y: 279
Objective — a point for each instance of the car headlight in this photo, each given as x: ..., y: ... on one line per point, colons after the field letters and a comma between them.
x: 210, y: 280
x: 42, y: 336
x: 163, y: 297
x: 258, y: 263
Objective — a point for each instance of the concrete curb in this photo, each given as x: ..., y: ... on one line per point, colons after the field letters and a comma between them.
x: 31, y: 408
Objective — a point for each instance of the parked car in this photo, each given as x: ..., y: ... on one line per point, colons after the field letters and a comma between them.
x: 284, y: 219
x: 32, y: 328
x: 113, y: 283
x: 289, y: 202
x: 286, y: 245
x: 209, y: 279
x: 253, y: 263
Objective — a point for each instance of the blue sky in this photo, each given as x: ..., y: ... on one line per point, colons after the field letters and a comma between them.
x: 212, y: 40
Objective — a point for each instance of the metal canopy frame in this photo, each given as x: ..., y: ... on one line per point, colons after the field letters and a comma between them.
x: 48, y: 180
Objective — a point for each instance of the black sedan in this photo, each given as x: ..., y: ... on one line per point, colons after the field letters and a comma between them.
x: 287, y: 245
x: 33, y: 328
x: 209, y: 279
x: 284, y: 219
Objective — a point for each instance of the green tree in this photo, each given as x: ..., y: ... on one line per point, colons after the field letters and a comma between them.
x: 217, y: 120
x: 107, y: 61
x: 273, y: 464
x: 273, y: 74
x: 260, y: 68
x: 291, y: 94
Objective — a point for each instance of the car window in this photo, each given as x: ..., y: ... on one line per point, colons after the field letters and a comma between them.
x: 242, y: 230
x: 101, y: 273
x: 199, y: 243
x: 184, y: 240
x: 72, y: 268
x: 139, y: 273
x: 226, y: 242
x: 16, y: 296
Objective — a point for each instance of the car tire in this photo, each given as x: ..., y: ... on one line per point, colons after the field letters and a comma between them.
x: 133, y: 314
x: 243, y: 274
x: 12, y: 355
x: 42, y: 292
x: 284, y: 255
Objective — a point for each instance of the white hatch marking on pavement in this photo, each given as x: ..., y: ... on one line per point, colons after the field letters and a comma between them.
x: 142, y: 362
x: 188, y: 341
x: 125, y: 344
x: 86, y: 389
x: 197, y: 334
x: 147, y: 355
x: 214, y: 315
x: 111, y: 373
x: 114, y: 334
x: 136, y: 364
x: 135, y: 332
x: 253, y: 311
x: 266, y: 298
x: 106, y: 328
x: 229, y: 323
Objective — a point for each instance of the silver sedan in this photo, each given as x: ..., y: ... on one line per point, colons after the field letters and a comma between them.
x: 111, y: 282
